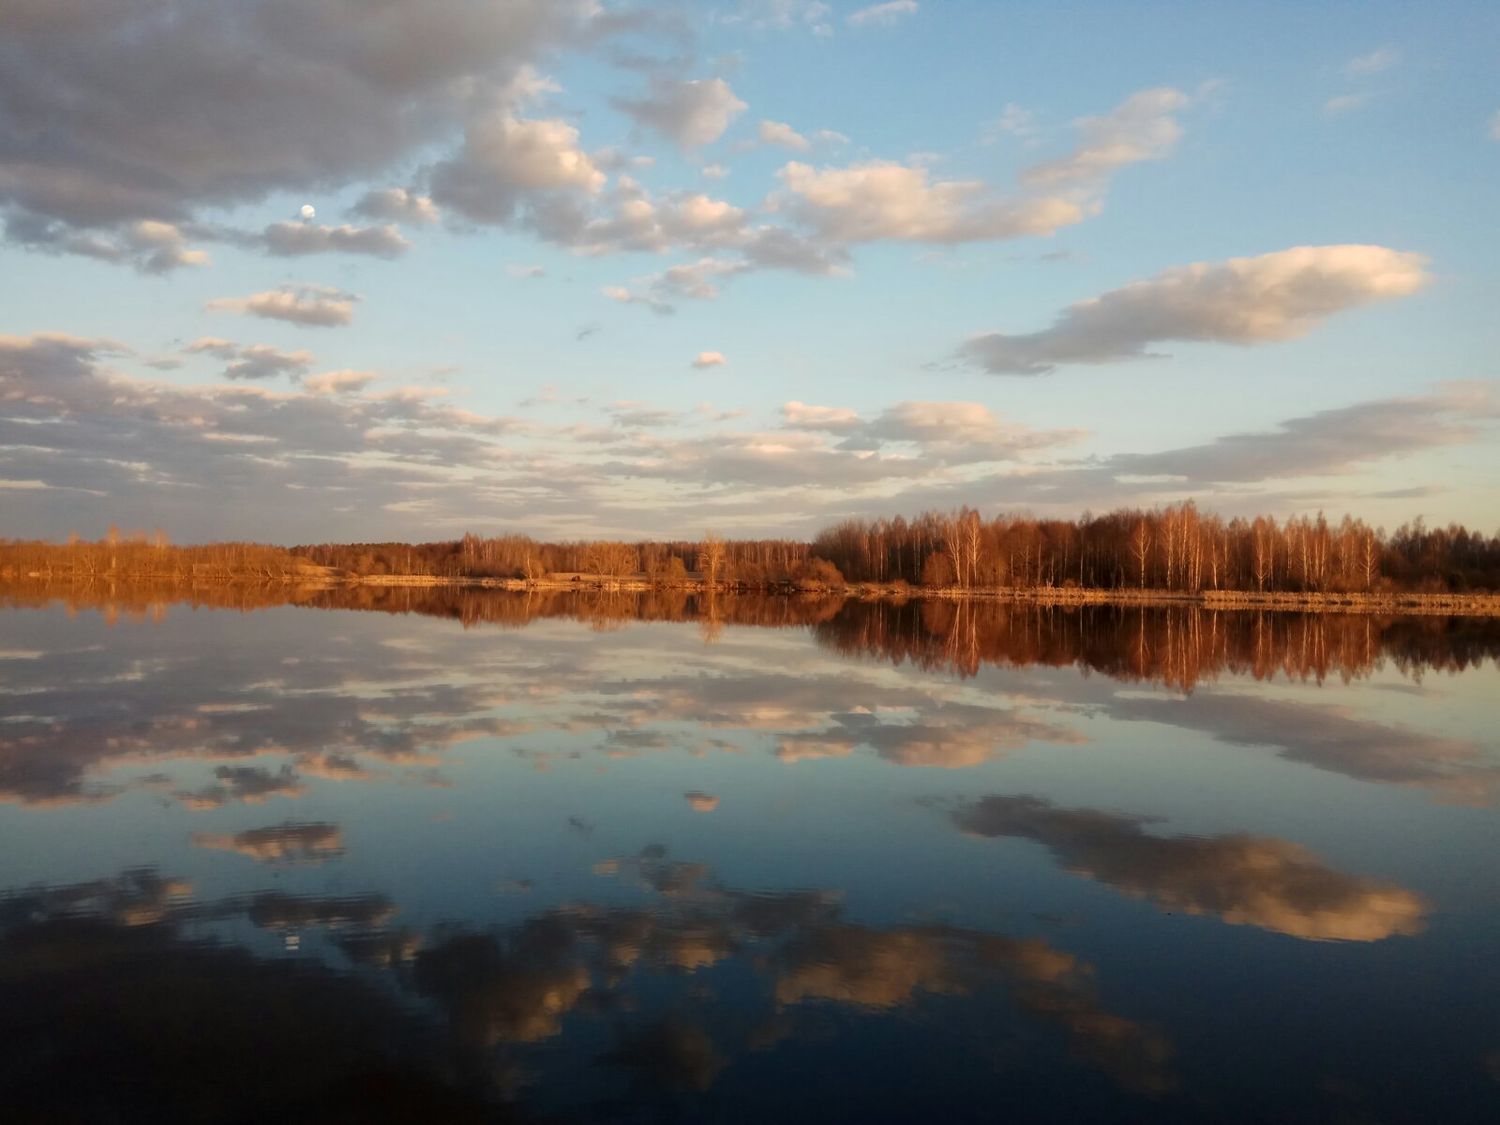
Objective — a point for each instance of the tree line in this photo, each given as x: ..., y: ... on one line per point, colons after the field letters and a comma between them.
x: 139, y: 555
x: 1175, y: 548
x: 754, y: 563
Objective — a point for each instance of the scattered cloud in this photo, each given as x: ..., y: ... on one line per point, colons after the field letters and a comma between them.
x: 252, y: 361
x: 148, y: 245
x: 1344, y: 103
x: 783, y: 15
x: 1378, y: 60
x: 1329, y: 441
x: 709, y: 359
x: 118, y: 114
x: 1140, y: 128
x: 294, y: 239
x: 882, y: 15
x: 949, y: 432
x: 318, y: 306
x: 691, y: 113
x: 832, y: 419
x: 701, y: 802
x: 204, y: 460
x: 634, y: 297
x: 1244, y: 301
x: 1014, y: 121
x: 885, y: 200
x: 506, y: 162
x: 779, y: 133
x: 397, y: 205
x: 342, y: 381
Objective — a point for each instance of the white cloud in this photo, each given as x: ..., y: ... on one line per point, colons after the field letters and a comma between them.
x: 636, y: 220
x: 1329, y: 441
x: 123, y: 112
x: 811, y: 15
x: 882, y: 15
x: 948, y: 433
x: 506, y: 161
x: 713, y: 171
x: 1140, y: 128
x: 709, y: 359
x: 884, y: 200
x: 1344, y: 103
x: 515, y: 269
x: 637, y: 297
x: 1277, y: 296
x: 1382, y: 58
x: 397, y: 205
x: 833, y: 419
x: 693, y: 113
x: 780, y: 133
x: 148, y: 245
x: 311, y: 305
x: 693, y: 281
x: 291, y: 239
x: 1013, y: 121
x: 342, y: 381
x: 252, y: 361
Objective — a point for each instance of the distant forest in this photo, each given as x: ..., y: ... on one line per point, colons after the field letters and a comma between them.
x: 1177, y: 549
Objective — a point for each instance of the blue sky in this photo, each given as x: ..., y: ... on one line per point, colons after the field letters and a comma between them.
x: 609, y: 269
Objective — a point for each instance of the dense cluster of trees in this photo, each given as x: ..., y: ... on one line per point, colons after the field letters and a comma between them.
x: 139, y: 555
x: 1175, y: 548
x: 747, y: 562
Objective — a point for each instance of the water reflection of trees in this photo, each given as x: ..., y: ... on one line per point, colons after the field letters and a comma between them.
x: 1175, y: 645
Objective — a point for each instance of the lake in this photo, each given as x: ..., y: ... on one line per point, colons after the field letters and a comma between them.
x: 468, y: 856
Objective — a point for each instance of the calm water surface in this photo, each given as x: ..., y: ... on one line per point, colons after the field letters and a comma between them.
x: 641, y: 860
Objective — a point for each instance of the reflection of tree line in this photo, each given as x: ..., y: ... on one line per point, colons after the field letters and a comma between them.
x: 1175, y: 645
x: 150, y: 598
x: 1172, y: 644
x: 711, y: 608
x: 139, y: 599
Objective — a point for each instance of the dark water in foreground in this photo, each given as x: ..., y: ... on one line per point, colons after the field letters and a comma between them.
x: 622, y: 860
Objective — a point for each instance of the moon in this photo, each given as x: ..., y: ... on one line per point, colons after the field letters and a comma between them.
x: 308, y: 211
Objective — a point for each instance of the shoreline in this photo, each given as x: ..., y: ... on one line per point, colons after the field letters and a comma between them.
x: 1478, y: 604
x: 1387, y: 602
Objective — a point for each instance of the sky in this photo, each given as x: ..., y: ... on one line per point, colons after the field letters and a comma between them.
x: 311, y: 270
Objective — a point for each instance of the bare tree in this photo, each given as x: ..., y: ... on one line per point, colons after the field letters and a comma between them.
x: 711, y: 558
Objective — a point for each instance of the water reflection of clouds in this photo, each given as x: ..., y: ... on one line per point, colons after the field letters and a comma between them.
x: 347, y: 712
x: 365, y: 705
x: 1329, y: 737
x: 616, y: 976
x: 498, y: 991
x: 1244, y: 880
x: 282, y: 843
x: 948, y: 735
